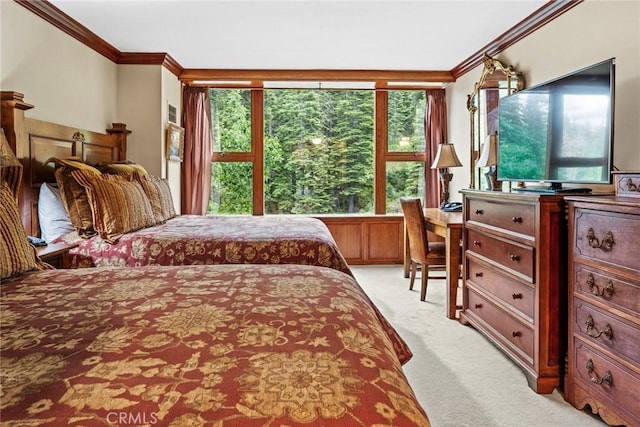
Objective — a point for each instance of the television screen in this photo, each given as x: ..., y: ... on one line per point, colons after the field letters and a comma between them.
x: 560, y: 131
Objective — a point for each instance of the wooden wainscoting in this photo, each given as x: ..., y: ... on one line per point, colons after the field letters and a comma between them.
x: 373, y: 239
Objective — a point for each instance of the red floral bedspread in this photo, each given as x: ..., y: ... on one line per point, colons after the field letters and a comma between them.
x: 227, y: 345
x: 195, y: 239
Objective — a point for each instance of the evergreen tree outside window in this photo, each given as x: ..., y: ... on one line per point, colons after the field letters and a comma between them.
x: 313, y: 150
x: 318, y: 151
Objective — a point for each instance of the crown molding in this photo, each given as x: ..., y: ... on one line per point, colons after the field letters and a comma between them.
x: 64, y: 22
x: 545, y: 14
x: 47, y: 11
x: 192, y: 74
x: 158, y: 58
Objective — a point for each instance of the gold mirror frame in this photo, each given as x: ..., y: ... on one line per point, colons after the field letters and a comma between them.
x: 496, y: 80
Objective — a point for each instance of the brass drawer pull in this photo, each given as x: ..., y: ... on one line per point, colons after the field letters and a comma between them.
x: 606, y: 291
x: 479, y: 212
x: 606, y: 244
x: 477, y: 243
x: 607, y: 378
x: 479, y: 274
x: 516, y: 334
x: 478, y: 305
x: 517, y: 296
x: 517, y: 219
x: 594, y: 333
x: 514, y: 257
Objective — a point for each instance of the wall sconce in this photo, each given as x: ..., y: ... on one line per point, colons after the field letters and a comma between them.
x: 446, y: 158
x: 489, y: 158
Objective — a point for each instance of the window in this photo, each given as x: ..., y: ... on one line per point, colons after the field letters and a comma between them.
x: 406, y: 120
x: 405, y: 144
x: 316, y: 151
x: 231, y: 120
x: 231, y: 188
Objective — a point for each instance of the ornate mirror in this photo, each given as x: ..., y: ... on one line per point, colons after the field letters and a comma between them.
x: 496, y: 81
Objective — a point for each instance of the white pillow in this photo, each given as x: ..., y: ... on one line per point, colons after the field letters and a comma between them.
x: 53, y: 218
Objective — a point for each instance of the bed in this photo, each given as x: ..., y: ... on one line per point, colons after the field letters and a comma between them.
x: 183, y: 240
x: 195, y: 239
x: 221, y: 345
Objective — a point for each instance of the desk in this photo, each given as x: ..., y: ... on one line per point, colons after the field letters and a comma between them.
x: 449, y: 226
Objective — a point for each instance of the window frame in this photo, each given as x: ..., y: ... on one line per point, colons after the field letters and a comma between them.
x: 398, y: 80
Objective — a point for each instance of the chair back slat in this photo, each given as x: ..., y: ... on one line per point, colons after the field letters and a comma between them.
x: 416, y: 228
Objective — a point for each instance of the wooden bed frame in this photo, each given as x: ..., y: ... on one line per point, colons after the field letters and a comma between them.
x: 36, y: 141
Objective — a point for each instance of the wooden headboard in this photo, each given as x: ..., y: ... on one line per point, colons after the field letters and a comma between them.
x: 36, y: 141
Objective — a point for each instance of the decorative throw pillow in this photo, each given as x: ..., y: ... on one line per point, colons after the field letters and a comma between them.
x: 16, y: 253
x: 10, y: 166
x: 122, y: 168
x: 52, y: 216
x: 119, y: 206
x: 74, y: 196
x: 159, y: 194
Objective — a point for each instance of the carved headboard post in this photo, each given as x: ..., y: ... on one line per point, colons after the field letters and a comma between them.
x: 12, y: 111
x: 13, y: 108
x: 120, y: 131
x: 35, y: 141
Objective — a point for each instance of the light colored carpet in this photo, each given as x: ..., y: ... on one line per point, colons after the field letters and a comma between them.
x: 459, y: 377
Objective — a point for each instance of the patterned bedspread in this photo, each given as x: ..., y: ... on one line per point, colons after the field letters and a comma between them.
x: 194, y: 239
x: 227, y: 345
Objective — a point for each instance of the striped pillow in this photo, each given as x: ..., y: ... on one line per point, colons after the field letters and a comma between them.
x: 16, y: 254
x: 119, y: 206
x: 159, y: 194
x: 121, y: 168
x: 74, y: 196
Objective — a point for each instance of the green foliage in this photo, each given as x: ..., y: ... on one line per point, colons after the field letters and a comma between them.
x: 231, y: 119
x: 318, y: 150
x: 231, y: 188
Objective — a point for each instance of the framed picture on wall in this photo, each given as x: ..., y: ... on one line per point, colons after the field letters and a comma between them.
x: 175, y: 142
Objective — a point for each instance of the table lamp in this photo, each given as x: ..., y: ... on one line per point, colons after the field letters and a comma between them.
x: 446, y: 158
x: 489, y: 158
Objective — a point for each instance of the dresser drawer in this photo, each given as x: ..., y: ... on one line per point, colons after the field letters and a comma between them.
x: 510, y: 291
x: 514, y: 217
x: 513, y: 256
x: 608, y: 237
x: 593, y: 370
x: 606, y: 330
x: 512, y: 332
x: 600, y: 286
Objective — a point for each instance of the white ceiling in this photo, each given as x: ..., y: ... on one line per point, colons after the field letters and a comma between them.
x: 425, y: 35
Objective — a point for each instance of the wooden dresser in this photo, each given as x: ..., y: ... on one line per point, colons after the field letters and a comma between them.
x: 514, y: 288
x: 603, y: 369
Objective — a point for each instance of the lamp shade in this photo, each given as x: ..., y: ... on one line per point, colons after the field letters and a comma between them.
x: 489, y: 154
x: 10, y: 166
x: 446, y: 157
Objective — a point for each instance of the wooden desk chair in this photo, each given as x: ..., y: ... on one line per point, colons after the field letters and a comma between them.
x: 427, y: 255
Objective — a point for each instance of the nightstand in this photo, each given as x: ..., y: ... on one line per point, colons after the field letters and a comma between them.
x: 56, y: 254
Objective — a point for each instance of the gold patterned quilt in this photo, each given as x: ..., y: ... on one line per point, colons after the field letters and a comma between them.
x: 224, y: 345
x: 195, y: 239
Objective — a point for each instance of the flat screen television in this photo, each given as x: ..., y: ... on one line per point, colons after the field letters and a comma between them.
x: 559, y: 132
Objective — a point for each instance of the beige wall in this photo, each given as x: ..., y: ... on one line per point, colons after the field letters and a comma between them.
x: 171, y: 95
x: 67, y: 82
x: 71, y: 84
x: 139, y: 100
x: 589, y: 33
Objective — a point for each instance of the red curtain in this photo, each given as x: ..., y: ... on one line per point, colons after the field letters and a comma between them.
x: 435, y: 132
x: 198, y: 148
